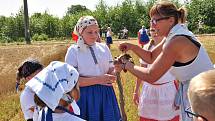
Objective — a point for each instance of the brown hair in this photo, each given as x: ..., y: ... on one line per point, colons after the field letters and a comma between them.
x: 27, y: 67
x: 168, y: 9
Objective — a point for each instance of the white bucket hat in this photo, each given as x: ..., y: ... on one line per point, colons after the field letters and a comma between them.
x: 53, y: 82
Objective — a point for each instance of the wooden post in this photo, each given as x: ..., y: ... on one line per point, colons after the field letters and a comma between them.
x: 26, y: 22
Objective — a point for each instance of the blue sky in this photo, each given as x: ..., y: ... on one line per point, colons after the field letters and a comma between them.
x: 54, y: 7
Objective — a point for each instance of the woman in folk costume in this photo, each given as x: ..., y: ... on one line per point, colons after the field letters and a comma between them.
x: 143, y: 37
x: 181, y: 52
x: 93, y: 61
x: 27, y: 70
x: 56, y: 92
x: 156, y: 101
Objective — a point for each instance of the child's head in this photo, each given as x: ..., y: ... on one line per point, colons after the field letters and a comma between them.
x: 74, y: 94
x: 28, y: 69
x: 87, y: 29
x: 154, y: 35
x: 152, y: 32
x: 108, y: 29
x: 201, y: 93
x: 55, y: 82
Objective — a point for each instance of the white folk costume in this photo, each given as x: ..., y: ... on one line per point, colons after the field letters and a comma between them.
x: 97, y: 102
x: 50, y: 85
x: 186, y: 72
x: 157, y: 100
x: 27, y: 102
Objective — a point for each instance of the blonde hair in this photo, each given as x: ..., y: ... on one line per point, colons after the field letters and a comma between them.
x: 201, y: 93
x: 168, y: 9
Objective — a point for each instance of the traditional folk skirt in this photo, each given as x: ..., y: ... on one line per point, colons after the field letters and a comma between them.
x: 98, y: 103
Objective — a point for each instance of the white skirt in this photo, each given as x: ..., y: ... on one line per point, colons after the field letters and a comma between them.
x: 157, y: 101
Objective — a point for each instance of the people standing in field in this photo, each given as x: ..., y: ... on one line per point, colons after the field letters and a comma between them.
x: 201, y: 94
x: 56, y: 92
x: 181, y: 53
x: 125, y: 33
x: 109, y: 39
x: 27, y: 70
x: 156, y: 101
x: 143, y: 37
x: 94, y: 63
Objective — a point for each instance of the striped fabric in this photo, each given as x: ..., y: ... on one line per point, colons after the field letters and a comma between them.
x: 93, y: 55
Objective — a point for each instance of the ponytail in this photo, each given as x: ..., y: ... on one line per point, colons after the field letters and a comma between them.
x: 182, y: 15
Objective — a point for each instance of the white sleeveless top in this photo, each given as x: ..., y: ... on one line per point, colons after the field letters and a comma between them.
x: 201, y: 63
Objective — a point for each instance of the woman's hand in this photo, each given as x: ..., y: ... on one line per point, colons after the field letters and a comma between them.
x: 118, y: 67
x: 136, y: 98
x: 124, y: 47
x: 107, y: 79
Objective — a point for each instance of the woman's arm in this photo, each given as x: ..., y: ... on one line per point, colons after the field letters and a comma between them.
x: 148, y: 56
x: 162, y: 63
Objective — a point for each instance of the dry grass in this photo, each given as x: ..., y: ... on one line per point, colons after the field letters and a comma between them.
x: 13, y: 55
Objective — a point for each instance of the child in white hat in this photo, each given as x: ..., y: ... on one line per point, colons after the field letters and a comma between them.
x: 56, y: 90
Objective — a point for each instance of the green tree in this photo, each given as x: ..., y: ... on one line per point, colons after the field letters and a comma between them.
x: 73, y: 9
x: 201, y: 12
x: 101, y: 13
x: 45, y: 24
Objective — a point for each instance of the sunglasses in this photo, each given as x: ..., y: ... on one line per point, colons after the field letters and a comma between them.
x: 154, y: 21
x: 190, y: 114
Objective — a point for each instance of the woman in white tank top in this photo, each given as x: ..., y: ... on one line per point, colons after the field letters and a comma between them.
x: 181, y: 52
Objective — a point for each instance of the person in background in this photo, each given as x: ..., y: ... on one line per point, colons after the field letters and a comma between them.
x: 143, y: 37
x: 156, y: 100
x: 109, y: 39
x: 181, y: 52
x: 94, y: 63
x: 201, y: 94
x: 125, y: 33
x: 27, y: 70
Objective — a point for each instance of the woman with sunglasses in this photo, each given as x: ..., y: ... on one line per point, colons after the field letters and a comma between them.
x: 181, y: 52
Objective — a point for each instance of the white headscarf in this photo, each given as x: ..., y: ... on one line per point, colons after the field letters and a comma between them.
x: 53, y: 82
x: 82, y: 23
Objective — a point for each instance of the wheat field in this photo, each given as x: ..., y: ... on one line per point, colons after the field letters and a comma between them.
x: 13, y: 54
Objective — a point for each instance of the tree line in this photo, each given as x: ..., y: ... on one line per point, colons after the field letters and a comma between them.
x: 130, y: 14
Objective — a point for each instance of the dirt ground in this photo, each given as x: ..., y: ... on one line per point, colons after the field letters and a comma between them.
x: 12, y: 55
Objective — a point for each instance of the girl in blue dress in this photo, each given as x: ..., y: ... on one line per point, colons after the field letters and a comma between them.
x: 93, y: 61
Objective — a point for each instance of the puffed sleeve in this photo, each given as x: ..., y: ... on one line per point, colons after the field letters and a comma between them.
x: 71, y: 56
